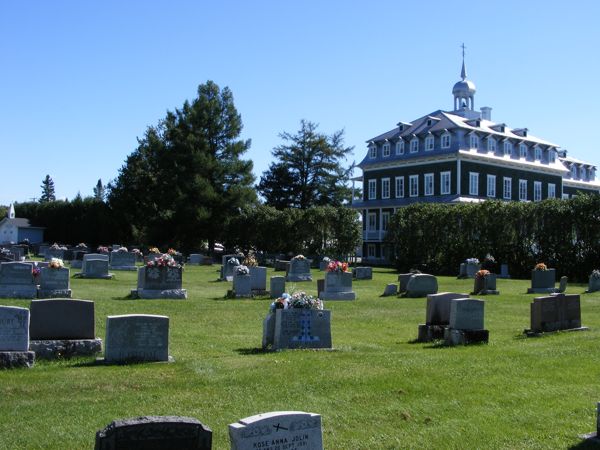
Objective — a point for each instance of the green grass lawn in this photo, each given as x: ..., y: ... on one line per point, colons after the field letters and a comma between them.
x: 377, y: 390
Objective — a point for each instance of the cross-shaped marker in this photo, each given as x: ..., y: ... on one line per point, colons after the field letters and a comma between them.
x: 277, y: 427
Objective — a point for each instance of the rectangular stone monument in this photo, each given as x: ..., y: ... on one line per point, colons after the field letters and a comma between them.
x: 160, y: 282
x: 403, y: 279
x: 279, y: 430
x: 437, y: 316
x: 95, y: 268
x: 258, y: 279
x: 323, y: 265
x: 136, y: 337
x: 466, y: 322
x: 485, y: 285
x: 281, y: 265
x: 242, y: 285
x: 363, y: 273
x: 54, y: 253
x: 299, y: 270
x: 302, y: 328
x: 54, y: 283
x: 155, y: 432
x: 555, y: 312
x: 542, y: 281
x: 277, y: 286
x: 16, y: 280
x: 338, y: 286
x: 504, y: 271
x: 77, y: 261
x: 227, y: 266
x: 421, y: 285
x: 122, y: 260
x: 42, y: 250
x: 14, y: 338
x: 196, y: 258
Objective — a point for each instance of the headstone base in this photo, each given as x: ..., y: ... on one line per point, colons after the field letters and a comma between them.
x: 122, y: 362
x: 531, y: 333
x: 13, y: 360
x: 487, y: 292
x: 298, y: 278
x: 54, y: 293
x: 428, y: 333
x: 18, y: 291
x: 65, y: 348
x: 592, y: 438
x: 76, y: 264
x: 153, y: 294
x: 96, y: 277
x: 337, y: 295
x: 542, y: 290
x: 132, y: 268
x: 260, y: 292
x: 465, y: 337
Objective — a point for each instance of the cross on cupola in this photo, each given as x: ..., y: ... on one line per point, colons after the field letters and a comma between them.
x: 464, y: 90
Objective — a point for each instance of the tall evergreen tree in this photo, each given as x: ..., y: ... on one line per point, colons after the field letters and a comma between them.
x: 99, y: 191
x: 186, y: 178
x: 307, y: 170
x: 48, y: 194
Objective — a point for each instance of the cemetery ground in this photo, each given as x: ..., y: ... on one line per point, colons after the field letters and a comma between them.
x: 376, y: 390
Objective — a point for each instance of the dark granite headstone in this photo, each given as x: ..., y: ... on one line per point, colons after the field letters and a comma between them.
x: 62, y: 319
x: 555, y: 312
x: 137, y: 337
x: 163, y: 278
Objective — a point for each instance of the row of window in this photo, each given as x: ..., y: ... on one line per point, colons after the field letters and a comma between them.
x: 582, y: 173
x: 507, y: 188
x: 413, y: 186
x: 429, y: 143
x: 474, y: 143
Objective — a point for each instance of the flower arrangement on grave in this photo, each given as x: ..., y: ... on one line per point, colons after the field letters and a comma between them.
x: 172, y: 252
x: 242, y: 270
x: 163, y: 261
x: 250, y: 260
x: 153, y: 250
x: 102, y: 249
x: 482, y: 273
x: 540, y: 266
x: 233, y: 262
x: 35, y: 271
x: 56, y: 263
x: 81, y: 246
x: 299, y: 257
x: 337, y: 267
x: 595, y: 274
x: 298, y: 300
x: 326, y: 259
x: 472, y: 261
x: 4, y: 251
x: 122, y: 250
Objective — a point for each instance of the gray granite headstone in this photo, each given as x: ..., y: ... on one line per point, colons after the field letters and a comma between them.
x: 14, y: 329
x: 196, y: 258
x: 258, y: 278
x: 555, y: 312
x: 542, y: 280
x: 16, y: 280
x: 363, y: 273
x: 122, y: 260
x: 338, y: 286
x: 137, y: 337
x: 95, y: 268
x: 227, y: 267
x: 299, y: 270
x: 160, y: 282
x: 102, y: 256
x: 54, y: 253
x: 289, y: 430
x: 504, y: 271
x: 390, y: 289
x: 62, y: 319
x: 421, y: 285
x: 471, y: 269
x: 593, y: 284
x: 277, y: 286
x: 403, y: 279
x: 242, y: 285
x: 438, y: 307
x: 54, y: 282
x: 466, y: 314
x: 154, y: 433
x: 302, y: 328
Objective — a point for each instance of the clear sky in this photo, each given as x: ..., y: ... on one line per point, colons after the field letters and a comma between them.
x: 81, y: 80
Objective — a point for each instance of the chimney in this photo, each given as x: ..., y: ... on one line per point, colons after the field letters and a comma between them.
x: 486, y: 113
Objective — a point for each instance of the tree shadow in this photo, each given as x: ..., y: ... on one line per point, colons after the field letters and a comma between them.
x: 588, y: 443
x: 253, y: 351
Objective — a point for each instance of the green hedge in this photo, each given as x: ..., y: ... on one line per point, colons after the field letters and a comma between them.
x: 565, y: 234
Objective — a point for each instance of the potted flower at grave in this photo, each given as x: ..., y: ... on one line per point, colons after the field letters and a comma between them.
x: 164, y: 272
x: 102, y: 249
x: 324, y: 263
x: 122, y: 250
x: 56, y: 263
x: 242, y: 286
x: 35, y: 271
x: 542, y: 277
x: 594, y: 281
x: 338, y: 282
x: 480, y: 280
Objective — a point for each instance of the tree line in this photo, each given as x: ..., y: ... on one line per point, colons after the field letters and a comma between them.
x: 564, y: 234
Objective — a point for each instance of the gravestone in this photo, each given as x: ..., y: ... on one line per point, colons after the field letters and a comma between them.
x: 403, y: 279
x: 122, y: 260
x: 77, y: 261
x: 437, y: 316
x: 196, y: 258
x: 421, y: 285
x: 155, y: 432
x: 390, y: 289
x: 277, y: 430
x: 299, y: 270
x: 95, y: 265
x: 542, y: 281
x: 323, y: 265
x: 338, y: 286
x: 258, y: 279
x: 466, y: 322
x: 14, y: 338
x: 320, y: 287
x: 63, y: 328
x: 54, y: 283
x: 136, y: 337
x: 281, y: 265
x: 42, y: 250
x: 363, y: 273
x: 504, y: 271
x: 554, y: 313
x: 18, y: 253
x: 242, y: 285
x: 485, y: 285
x: 277, y: 286
x: 16, y: 280
x: 54, y: 253
x: 159, y: 282
x: 300, y: 328
x: 562, y: 286
x: 593, y: 283
x: 227, y: 267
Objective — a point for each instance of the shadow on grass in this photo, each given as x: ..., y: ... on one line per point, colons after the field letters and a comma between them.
x: 253, y: 351
x: 586, y: 444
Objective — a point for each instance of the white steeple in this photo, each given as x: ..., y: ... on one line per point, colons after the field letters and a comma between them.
x: 11, y: 211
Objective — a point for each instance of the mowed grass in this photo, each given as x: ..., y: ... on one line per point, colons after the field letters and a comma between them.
x: 377, y: 390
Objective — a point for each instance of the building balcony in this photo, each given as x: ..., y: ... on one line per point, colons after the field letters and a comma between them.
x: 373, y: 235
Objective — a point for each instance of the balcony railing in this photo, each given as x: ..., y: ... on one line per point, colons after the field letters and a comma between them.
x: 373, y: 235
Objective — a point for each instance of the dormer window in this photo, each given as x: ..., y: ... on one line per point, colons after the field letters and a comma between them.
x: 523, y: 151
x: 414, y: 145
x: 400, y: 128
x: 386, y: 149
x: 429, y: 141
x: 429, y: 122
x: 373, y: 151
x: 508, y: 148
x: 538, y: 153
x: 400, y: 147
x: 551, y: 155
x: 573, y: 171
x: 474, y: 142
x: 491, y: 144
x: 446, y: 140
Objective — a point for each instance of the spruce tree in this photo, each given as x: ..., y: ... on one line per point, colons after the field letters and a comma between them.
x: 48, y: 194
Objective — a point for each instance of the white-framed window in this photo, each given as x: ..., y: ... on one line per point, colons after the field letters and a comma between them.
x: 537, y: 191
x: 538, y: 153
x: 522, y: 190
x: 491, y: 144
x: 400, y: 147
x: 508, y: 148
x: 399, y: 187
x: 573, y: 171
x: 491, y: 185
x: 428, y: 178
x: 414, y: 145
x: 445, y: 183
x: 474, y: 141
x: 523, y: 151
x: 446, y: 140
x: 385, y: 220
x: 473, y: 183
x: 551, y: 155
x: 372, y: 189
x: 413, y: 185
x: 373, y: 151
x: 565, y: 196
x: 507, y: 188
x: 385, y: 188
x: 371, y: 250
x: 551, y: 190
x: 386, y: 149
x: 429, y: 141
x: 583, y: 173
x: 372, y: 221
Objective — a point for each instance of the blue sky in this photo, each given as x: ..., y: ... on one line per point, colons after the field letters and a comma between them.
x: 81, y: 80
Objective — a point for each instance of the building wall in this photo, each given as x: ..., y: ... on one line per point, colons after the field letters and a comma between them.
x: 35, y: 235
x: 571, y: 191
